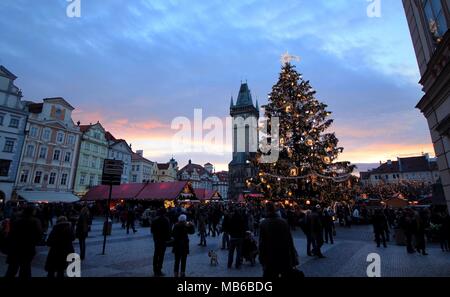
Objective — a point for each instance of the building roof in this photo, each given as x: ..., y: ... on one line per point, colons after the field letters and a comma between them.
x: 136, y: 157
x: 410, y: 164
x: 206, y: 194
x: 109, y: 136
x: 222, y: 175
x: 59, y: 100
x: 163, y: 166
x: 245, y: 96
x: 414, y: 164
x: 190, y: 167
x: 6, y: 73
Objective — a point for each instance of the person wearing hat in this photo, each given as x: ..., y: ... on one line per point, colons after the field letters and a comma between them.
x: 180, y: 234
x: 60, y: 243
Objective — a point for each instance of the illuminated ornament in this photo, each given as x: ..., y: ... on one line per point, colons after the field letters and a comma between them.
x: 286, y: 202
x: 308, y: 202
x: 261, y: 174
x: 282, y: 141
x: 293, y: 171
x: 288, y: 108
x: 309, y: 141
x: 286, y: 58
x: 279, y: 179
x: 290, y: 193
x: 329, y: 149
x: 327, y: 160
x: 268, y: 186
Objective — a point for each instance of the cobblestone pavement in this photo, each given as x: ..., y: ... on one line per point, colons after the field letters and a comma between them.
x: 131, y: 255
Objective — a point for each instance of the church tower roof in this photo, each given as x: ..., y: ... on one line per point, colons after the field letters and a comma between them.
x: 245, y: 96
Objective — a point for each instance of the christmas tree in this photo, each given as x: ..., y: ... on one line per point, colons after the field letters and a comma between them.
x: 306, y: 167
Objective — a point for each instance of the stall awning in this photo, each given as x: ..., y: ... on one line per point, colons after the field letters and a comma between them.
x: 48, y: 197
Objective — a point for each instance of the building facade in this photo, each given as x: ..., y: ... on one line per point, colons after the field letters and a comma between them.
x: 166, y: 172
x: 201, y: 177
x: 245, y: 142
x: 419, y: 169
x: 220, y: 184
x: 92, y: 153
x: 48, y: 161
x: 119, y: 149
x: 13, y: 118
x: 142, y: 169
x: 429, y: 23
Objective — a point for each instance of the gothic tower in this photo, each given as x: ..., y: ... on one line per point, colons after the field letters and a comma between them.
x: 245, y: 141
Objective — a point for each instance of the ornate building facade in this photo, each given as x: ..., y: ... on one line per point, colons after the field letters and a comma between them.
x: 245, y: 142
x: 13, y: 118
x: 48, y: 161
x: 119, y: 149
x: 93, y: 151
x: 429, y: 23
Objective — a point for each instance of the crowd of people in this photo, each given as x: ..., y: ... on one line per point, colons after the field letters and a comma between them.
x: 249, y: 231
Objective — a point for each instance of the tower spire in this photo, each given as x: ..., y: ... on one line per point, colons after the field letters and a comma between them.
x: 231, y: 101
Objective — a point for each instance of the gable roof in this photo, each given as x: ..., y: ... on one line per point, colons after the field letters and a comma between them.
x: 109, y: 136
x: 414, y: 164
x: 189, y: 168
x: 137, y: 157
x: 163, y: 166
x: 222, y: 175
x: 59, y: 100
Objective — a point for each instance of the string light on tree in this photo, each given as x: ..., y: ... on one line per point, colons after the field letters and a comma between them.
x: 305, y: 166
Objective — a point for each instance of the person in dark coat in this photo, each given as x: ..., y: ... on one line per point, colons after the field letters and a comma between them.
x: 202, y: 228
x: 305, y: 225
x: 236, y: 229
x: 380, y: 224
x: 160, y: 229
x: 317, y: 231
x: 180, y: 234
x: 407, y: 223
x: 225, y: 230
x: 60, y: 243
x: 422, y: 222
x: 25, y: 234
x: 328, y: 225
x: 277, y: 253
x: 82, y: 230
x: 131, y: 217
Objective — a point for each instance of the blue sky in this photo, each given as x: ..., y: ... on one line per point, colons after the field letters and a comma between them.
x: 136, y: 65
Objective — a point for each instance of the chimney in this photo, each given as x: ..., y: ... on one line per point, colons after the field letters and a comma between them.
x: 140, y: 153
x: 389, y: 162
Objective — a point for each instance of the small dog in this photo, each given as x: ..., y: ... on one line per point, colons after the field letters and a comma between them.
x: 214, y: 260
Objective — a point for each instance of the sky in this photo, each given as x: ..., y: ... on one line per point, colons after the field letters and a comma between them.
x: 137, y: 65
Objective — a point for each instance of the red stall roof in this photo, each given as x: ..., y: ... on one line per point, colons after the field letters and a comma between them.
x: 142, y: 191
x: 205, y: 194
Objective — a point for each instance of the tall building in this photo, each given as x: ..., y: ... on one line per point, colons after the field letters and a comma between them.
x: 13, y: 118
x: 48, y: 161
x: 245, y: 141
x: 93, y: 152
x: 119, y: 149
x: 429, y: 22
x: 142, y: 169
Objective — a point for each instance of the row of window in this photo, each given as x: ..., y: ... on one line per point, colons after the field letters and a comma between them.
x: 94, y: 147
x: 47, y: 134
x: 39, y: 177
x: 14, y: 122
x: 94, y: 180
x: 30, y: 152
